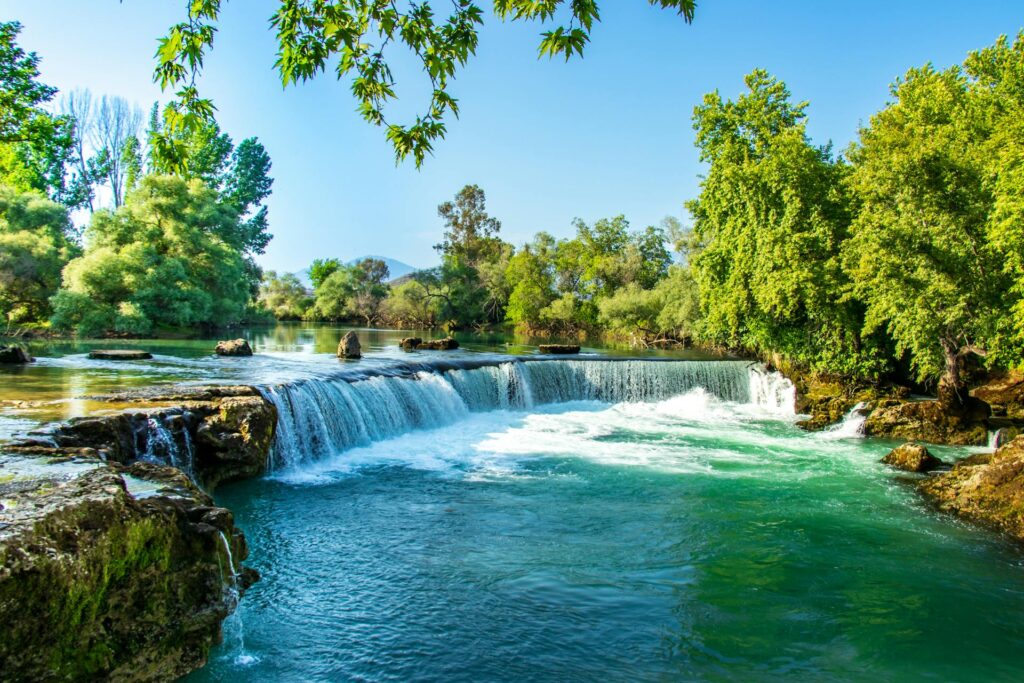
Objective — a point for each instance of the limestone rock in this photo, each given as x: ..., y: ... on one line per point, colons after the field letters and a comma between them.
x: 927, y: 421
x: 233, y: 347
x: 912, y: 457
x: 234, y: 442
x: 98, y: 585
x: 446, y: 344
x: 559, y: 348
x: 120, y: 354
x: 987, y: 489
x: 349, y: 346
x: 12, y: 355
x: 410, y: 343
x: 1004, y: 393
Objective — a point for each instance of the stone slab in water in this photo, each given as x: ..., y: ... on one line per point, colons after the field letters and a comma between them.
x: 120, y: 354
x: 559, y: 348
x: 446, y: 344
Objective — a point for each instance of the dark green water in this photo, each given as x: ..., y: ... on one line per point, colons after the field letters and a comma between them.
x: 683, y: 540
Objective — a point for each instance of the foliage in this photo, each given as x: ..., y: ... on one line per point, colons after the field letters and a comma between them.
x: 352, y: 291
x: 35, y: 146
x: 767, y: 230
x: 284, y: 296
x: 921, y: 256
x: 159, y: 259
x: 359, y: 35
x: 321, y: 269
x: 35, y: 244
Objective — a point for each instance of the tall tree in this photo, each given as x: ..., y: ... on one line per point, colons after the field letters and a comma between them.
x: 117, y: 122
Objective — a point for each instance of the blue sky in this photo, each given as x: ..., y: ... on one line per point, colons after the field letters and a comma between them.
x: 548, y: 141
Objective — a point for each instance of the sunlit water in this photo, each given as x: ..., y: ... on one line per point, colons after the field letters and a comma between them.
x: 683, y: 539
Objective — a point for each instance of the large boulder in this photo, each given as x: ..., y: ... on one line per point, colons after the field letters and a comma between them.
x: 986, y: 488
x: 349, y: 346
x: 409, y: 343
x: 446, y: 344
x: 120, y: 354
x: 1004, y: 393
x: 929, y: 421
x: 233, y: 347
x: 14, y: 355
x: 559, y: 348
x: 912, y: 457
x: 234, y: 442
x: 96, y: 584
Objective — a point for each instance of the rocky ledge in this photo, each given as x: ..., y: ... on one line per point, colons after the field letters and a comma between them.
x: 215, y: 434
x: 987, y: 489
x: 111, y: 572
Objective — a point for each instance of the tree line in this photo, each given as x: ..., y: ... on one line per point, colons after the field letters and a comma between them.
x: 903, y: 255
x: 175, y: 219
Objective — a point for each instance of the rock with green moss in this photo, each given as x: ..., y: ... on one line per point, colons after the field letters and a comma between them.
x: 912, y: 457
x: 925, y: 420
x: 986, y: 489
x: 98, y: 583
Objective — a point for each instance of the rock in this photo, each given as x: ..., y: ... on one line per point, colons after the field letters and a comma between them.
x: 233, y: 347
x: 927, y: 421
x: 912, y: 457
x: 410, y: 343
x: 829, y: 399
x: 12, y: 355
x: 559, y: 348
x: 120, y: 354
x: 987, y: 489
x: 98, y: 585
x: 446, y: 344
x: 1004, y: 393
x: 234, y: 442
x: 349, y: 347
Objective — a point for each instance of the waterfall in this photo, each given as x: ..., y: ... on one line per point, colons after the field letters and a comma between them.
x: 851, y: 426
x: 166, y: 441
x: 234, y: 621
x: 318, y: 418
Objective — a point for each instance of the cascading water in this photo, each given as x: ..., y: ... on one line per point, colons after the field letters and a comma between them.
x: 320, y: 418
x: 234, y: 622
x: 851, y: 426
x: 163, y: 443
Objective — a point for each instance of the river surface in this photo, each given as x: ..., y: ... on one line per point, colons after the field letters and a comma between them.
x: 576, y: 521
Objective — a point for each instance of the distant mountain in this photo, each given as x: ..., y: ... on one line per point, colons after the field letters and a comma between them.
x: 395, y: 267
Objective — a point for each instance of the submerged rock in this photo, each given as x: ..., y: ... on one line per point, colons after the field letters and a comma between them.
x: 559, y: 348
x: 14, y: 355
x: 120, y: 354
x: 233, y: 347
x: 446, y: 344
x: 349, y: 346
x: 410, y: 343
x: 912, y: 457
x: 987, y: 489
x: 98, y: 584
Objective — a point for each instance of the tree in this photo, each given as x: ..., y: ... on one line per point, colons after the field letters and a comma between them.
x: 768, y: 225
x: 529, y: 274
x: 360, y: 34
x: 470, y: 232
x: 35, y: 146
x: 157, y: 260
x: 321, y: 269
x: 284, y: 296
x: 920, y: 255
x: 117, y: 122
x: 35, y: 244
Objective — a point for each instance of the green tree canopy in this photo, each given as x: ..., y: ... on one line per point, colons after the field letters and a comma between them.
x: 159, y: 259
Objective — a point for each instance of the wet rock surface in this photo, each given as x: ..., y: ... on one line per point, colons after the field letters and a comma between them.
x: 349, y: 346
x: 927, y: 420
x: 912, y: 457
x: 559, y: 348
x: 120, y: 354
x: 987, y: 489
x: 98, y: 583
x: 410, y: 343
x: 446, y: 344
x: 233, y: 347
x: 14, y: 355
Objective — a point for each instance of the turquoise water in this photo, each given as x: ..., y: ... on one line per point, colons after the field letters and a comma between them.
x: 680, y: 539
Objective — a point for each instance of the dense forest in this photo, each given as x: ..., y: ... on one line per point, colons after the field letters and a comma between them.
x: 904, y: 253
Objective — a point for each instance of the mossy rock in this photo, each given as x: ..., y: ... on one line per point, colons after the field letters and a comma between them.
x: 119, y: 354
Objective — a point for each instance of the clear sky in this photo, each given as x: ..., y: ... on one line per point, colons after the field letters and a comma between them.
x: 548, y: 141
